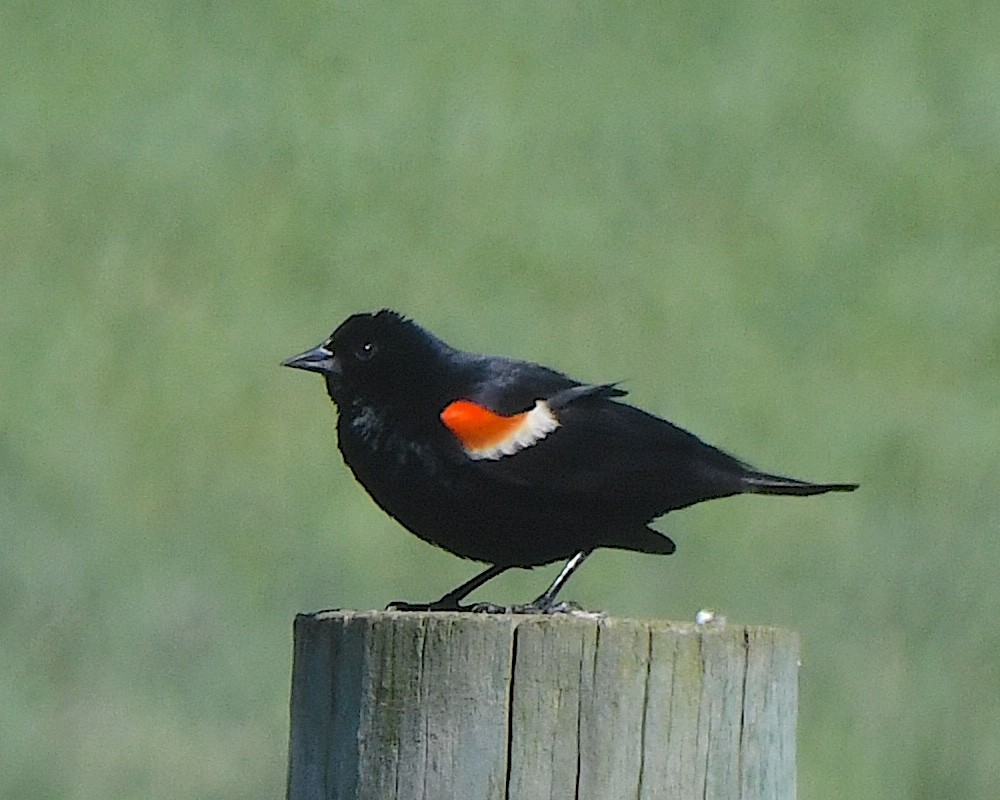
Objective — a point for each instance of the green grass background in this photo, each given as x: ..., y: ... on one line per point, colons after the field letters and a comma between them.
x: 776, y: 221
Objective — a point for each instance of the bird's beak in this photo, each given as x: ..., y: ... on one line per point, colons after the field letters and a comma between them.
x: 319, y: 359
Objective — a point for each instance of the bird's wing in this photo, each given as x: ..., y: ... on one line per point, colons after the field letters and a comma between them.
x: 579, y: 441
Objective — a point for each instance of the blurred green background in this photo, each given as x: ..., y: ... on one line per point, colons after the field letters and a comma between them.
x: 777, y: 222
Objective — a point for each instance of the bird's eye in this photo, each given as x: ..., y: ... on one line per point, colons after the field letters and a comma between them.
x: 365, y: 351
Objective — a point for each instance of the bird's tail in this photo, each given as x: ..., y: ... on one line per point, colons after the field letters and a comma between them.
x: 763, y: 483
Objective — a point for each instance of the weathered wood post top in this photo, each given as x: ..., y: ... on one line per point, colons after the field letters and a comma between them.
x: 432, y: 706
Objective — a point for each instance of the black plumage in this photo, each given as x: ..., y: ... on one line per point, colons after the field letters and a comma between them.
x: 585, y: 470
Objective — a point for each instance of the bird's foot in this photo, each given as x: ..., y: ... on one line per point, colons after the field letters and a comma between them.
x: 437, y: 605
x: 488, y: 608
x: 544, y: 605
x: 474, y: 608
x: 536, y: 607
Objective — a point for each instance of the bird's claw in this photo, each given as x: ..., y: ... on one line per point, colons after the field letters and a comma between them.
x: 402, y: 605
x: 542, y: 605
x: 474, y: 608
x: 488, y: 608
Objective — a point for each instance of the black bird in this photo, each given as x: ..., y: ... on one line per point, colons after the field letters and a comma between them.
x: 508, y: 462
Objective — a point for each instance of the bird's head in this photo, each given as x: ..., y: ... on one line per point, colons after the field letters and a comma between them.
x: 381, y: 358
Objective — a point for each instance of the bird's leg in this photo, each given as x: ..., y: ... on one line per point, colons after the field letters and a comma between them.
x: 451, y: 601
x: 546, y: 603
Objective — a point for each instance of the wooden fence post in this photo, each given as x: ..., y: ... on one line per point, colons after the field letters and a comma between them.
x: 480, y: 707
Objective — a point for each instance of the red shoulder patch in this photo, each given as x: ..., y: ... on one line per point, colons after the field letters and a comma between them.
x: 486, y: 434
x: 476, y: 426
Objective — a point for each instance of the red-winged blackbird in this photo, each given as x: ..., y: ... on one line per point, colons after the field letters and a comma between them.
x: 508, y: 462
